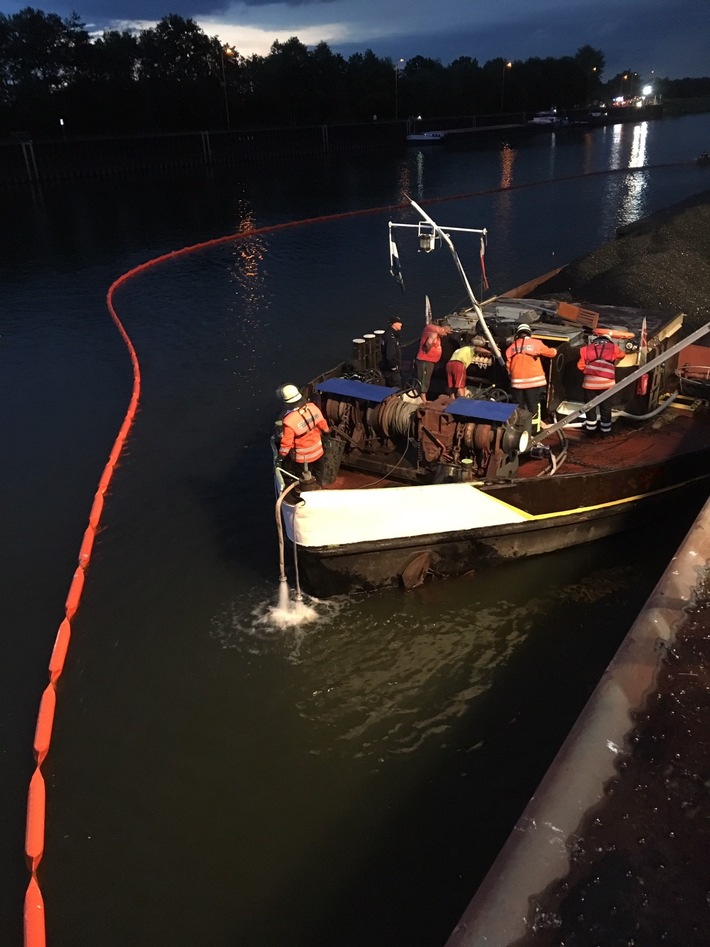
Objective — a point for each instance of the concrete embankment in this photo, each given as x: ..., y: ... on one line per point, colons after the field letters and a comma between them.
x: 612, y: 848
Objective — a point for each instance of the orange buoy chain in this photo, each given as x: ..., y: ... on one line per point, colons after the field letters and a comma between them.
x: 34, y: 916
x: 34, y: 919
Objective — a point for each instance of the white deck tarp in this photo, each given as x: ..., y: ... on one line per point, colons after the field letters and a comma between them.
x: 341, y: 517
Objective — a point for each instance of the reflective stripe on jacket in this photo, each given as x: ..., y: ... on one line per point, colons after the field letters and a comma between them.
x: 597, y: 361
x: 301, y: 432
x: 522, y: 359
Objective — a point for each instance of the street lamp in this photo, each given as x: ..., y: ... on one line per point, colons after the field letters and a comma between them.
x: 225, y: 50
x: 621, y: 85
x: 396, y: 82
x: 589, y: 82
x: 507, y: 65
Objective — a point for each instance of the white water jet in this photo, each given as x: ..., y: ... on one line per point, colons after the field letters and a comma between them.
x: 284, y: 596
x: 289, y: 612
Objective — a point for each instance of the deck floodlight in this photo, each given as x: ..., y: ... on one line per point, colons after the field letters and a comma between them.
x: 427, y: 238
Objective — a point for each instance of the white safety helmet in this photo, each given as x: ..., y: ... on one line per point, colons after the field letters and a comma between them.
x: 289, y: 394
x: 523, y: 329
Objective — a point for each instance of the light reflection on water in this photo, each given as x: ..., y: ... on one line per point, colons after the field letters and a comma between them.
x: 638, y: 156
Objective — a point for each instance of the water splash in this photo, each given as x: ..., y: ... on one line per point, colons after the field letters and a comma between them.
x: 289, y: 612
x: 266, y: 627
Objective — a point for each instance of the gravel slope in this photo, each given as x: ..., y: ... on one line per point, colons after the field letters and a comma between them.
x: 660, y: 262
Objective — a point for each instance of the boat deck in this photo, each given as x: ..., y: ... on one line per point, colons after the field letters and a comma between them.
x: 676, y: 431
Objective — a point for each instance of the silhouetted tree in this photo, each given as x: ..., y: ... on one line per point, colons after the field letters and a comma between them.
x: 173, y: 77
x: 43, y: 55
x: 176, y: 63
x: 683, y: 88
x: 42, y: 50
x: 286, y: 75
x: 371, y: 83
x: 327, y: 90
x: 463, y: 80
x: 421, y: 92
x: 591, y: 64
x: 176, y: 50
x: 115, y: 59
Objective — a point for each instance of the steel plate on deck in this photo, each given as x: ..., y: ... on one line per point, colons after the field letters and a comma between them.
x: 481, y: 410
x: 349, y: 388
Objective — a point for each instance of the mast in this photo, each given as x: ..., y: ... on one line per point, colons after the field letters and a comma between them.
x: 474, y: 302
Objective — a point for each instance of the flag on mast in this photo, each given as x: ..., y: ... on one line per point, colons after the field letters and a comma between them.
x: 642, y: 383
x: 395, y: 268
x: 484, y: 278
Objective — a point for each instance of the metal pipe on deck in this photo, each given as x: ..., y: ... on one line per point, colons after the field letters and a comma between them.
x: 359, y: 346
x: 624, y: 383
x: 370, y: 360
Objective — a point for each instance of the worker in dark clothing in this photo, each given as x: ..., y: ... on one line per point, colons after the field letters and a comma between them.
x: 392, y: 353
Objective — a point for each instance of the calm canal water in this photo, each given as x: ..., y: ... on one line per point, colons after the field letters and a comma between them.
x: 215, y: 780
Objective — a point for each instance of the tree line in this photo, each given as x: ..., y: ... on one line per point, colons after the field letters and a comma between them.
x: 55, y: 78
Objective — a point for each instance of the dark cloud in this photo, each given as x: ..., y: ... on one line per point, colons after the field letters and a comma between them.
x: 103, y: 11
x: 670, y: 45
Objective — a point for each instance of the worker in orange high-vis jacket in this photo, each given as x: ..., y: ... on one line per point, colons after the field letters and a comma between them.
x: 302, y: 425
x: 597, y: 361
x: 527, y: 375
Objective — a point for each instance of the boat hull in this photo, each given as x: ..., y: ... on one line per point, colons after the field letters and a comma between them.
x: 404, y: 561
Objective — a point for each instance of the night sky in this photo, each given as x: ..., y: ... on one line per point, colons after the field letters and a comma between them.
x: 651, y: 37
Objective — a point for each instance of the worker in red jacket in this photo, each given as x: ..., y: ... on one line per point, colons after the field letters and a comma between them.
x: 429, y: 353
x: 527, y: 375
x: 597, y: 361
x: 302, y: 425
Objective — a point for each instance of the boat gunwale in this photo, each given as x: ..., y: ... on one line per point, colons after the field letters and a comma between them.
x: 530, y: 524
x: 530, y: 521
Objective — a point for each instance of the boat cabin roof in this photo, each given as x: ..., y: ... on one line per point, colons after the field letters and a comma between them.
x: 504, y: 314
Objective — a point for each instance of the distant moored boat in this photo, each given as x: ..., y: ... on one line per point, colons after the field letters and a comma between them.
x: 426, y: 137
x: 548, y: 117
